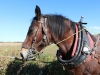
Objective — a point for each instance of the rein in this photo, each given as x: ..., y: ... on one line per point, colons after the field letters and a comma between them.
x: 61, y: 41
x: 67, y: 37
x: 52, y: 45
x: 33, y: 49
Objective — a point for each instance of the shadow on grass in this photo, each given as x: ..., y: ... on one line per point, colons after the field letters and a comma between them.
x: 35, y: 68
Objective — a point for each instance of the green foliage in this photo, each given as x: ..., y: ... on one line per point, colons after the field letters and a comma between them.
x: 37, y: 67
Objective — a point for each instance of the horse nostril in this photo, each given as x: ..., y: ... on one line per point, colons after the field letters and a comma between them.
x: 21, y: 55
x: 23, y: 59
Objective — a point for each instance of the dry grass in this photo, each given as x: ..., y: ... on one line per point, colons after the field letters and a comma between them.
x: 47, y: 63
x: 10, y: 44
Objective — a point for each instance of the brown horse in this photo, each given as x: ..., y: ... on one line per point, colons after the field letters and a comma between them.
x: 79, y: 51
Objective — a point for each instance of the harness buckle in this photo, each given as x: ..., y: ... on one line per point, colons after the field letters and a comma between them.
x: 86, y: 50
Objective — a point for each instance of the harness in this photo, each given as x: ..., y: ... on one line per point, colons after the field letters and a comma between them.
x: 83, y: 48
x: 33, y: 49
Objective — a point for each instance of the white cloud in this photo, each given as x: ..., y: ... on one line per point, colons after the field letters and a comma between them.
x: 96, y: 27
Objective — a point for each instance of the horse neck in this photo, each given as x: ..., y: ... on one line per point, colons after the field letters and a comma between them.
x: 65, y: 46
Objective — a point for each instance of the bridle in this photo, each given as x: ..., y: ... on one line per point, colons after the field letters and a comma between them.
x: 33, y: 49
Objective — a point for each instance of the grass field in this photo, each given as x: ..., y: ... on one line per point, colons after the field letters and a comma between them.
x: 46, y: 64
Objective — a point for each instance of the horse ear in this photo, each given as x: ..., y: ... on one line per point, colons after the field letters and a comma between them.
x: 37, y: 12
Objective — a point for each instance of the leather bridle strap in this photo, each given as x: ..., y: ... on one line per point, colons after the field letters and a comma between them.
x: 45, y: 31
x: 44, y: 39
x: 29, y: 47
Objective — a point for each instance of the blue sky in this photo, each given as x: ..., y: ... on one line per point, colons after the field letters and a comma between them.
x: 16, y: 15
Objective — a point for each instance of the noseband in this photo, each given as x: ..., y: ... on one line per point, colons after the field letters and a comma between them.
x: 33, y: 49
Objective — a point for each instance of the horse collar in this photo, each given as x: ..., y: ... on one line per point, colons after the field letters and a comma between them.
x: 82, y: 48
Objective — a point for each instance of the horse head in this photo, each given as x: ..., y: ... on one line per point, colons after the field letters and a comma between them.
x: 46, y: 29
x: 76, y: 45
x: 37, y: 36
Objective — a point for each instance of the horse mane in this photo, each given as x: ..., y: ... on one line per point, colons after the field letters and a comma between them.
x: 57, y: 25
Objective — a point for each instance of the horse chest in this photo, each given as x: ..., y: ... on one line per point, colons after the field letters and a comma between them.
x: 91, y: 66
x: 86, y: 68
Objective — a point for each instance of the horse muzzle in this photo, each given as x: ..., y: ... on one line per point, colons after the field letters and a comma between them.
x: 27, y: 55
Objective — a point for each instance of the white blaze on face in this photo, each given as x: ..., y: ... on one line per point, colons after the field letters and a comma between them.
x: 24, y: 53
